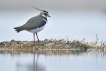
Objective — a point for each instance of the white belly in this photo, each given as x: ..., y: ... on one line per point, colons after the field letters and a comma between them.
x: 37, y: 29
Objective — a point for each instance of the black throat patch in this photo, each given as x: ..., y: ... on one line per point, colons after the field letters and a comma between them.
x: 45, y: 18
x: 43, y: 22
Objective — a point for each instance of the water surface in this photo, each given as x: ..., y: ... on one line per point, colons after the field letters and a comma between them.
x: 72, y: 60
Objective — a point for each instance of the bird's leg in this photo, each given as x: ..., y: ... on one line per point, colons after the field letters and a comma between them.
x: 37, y: 37
x: 34, y: 37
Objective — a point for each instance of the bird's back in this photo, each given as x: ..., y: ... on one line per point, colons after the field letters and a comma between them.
x: 32, y: 23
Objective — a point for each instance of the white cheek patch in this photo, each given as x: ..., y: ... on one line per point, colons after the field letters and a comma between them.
x: 44, y: 16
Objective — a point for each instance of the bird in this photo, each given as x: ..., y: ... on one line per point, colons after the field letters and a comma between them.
x: 35, y: 24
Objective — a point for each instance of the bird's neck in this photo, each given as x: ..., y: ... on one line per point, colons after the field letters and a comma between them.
x: 45, y: 19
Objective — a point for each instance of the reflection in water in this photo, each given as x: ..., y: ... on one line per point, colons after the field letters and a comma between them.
x: 31, y: 67
x: 54, y: 60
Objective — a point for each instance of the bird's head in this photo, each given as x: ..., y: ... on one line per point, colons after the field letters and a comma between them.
x: 43, y: 12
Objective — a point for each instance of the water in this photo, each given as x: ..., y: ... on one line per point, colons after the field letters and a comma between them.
x: 63, y: 23
x: 73, y: 60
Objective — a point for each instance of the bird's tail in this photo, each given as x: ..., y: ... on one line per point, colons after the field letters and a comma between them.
x: 18, y: 29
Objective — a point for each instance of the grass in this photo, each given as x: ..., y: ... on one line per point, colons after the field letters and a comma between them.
x: 51, y: 44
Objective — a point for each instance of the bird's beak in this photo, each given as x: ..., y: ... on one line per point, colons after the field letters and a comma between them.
x: 48, y: 16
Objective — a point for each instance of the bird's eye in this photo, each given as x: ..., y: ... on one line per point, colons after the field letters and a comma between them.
x: 45, y: 13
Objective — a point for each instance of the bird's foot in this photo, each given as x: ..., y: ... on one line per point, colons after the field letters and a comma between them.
x: 37, y: 41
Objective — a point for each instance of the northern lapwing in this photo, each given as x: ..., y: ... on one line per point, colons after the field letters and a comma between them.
x: 35, y: 24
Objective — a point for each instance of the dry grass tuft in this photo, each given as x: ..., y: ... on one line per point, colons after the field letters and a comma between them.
x: 51, y: 44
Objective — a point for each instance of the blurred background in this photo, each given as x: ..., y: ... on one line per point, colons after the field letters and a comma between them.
x: 69, y: 19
